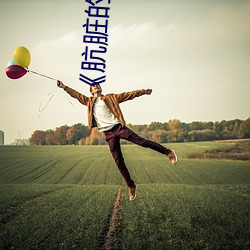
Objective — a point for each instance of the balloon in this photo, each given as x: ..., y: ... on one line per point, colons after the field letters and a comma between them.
x: 15, y: 71
x: 22, y: 56
x: 11, y: 62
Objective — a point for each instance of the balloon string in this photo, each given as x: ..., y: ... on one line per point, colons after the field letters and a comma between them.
x: 71, y: 103
x: 31, y: 71
x: 50, y: 96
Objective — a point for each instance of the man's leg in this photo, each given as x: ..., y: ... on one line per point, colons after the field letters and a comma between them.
x: 115, y: 149
x: 129, y: 135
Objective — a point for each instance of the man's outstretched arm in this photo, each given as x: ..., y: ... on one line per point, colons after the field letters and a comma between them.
x: 80, y: 97
x: 132, y: 94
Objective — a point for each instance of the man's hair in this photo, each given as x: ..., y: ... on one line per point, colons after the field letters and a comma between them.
x: 93, y: 84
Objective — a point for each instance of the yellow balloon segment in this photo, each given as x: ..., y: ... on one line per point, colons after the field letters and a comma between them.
x: 22, y: 56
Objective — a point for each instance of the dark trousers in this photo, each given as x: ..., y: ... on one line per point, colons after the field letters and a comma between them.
x: 113, y: 137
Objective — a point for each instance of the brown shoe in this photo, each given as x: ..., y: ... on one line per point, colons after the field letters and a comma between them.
x: 172, y: 157
x: 132, y: 193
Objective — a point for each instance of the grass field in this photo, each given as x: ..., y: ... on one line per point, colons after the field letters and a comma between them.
x: 62, y: 197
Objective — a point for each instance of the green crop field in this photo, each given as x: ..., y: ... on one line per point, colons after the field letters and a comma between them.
x: 62, y: 197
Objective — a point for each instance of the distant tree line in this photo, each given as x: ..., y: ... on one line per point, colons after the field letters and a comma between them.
x: 172, y: 131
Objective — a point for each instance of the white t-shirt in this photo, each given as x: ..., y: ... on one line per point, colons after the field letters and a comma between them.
x: 105, y: 119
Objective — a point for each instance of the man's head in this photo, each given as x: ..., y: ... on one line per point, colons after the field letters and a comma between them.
x: 96, y: 89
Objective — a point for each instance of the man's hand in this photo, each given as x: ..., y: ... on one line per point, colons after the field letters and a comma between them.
x: 148, y: 91
x: 60, y: 84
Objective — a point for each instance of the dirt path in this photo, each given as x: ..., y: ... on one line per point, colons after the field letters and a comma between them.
x: 111, y: 235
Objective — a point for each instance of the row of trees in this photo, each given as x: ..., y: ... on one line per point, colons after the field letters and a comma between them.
x: 172, y: 131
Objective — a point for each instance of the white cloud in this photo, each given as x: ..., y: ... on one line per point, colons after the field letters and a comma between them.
x: 66, y: 40
x: 59, y: 57
x: 130, y: 35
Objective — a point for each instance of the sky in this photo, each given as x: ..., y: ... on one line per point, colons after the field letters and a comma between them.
x: 194, y: 54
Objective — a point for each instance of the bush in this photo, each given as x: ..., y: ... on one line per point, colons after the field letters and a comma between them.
x: 240, y: 151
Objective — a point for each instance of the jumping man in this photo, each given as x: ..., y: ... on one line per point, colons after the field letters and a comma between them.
x: 104, y: 113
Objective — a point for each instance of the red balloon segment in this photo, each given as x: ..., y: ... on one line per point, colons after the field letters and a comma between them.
x: 15, y: 71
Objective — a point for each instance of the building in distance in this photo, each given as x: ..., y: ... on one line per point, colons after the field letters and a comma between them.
x: 1, y: 138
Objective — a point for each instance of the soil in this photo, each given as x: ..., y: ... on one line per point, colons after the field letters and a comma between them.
x: 112, y: 231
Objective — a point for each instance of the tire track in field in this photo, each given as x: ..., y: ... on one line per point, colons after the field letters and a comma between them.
x: 195, y: 178
x: 48, y: 169
x: 176, y: 175
x: 112, y: 228
x: 83, y: 180
x: 89, y: 181
x: 46, y: 166
x: 6, y: 214
x: 3, y: 167
x: 67, y: 172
